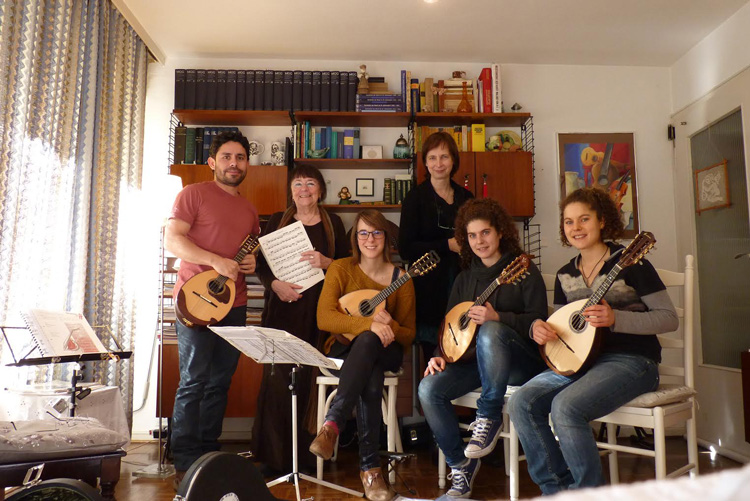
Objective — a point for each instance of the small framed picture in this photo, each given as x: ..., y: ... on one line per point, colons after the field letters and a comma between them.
x: 365, y: 187
x: 712, y: 187
x: 372, y: 152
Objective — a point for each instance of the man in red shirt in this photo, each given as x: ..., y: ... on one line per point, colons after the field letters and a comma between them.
x: 208, y: 224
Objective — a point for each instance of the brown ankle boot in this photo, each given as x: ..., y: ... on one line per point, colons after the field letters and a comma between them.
x: 325, y: 442
x: 376, y: 488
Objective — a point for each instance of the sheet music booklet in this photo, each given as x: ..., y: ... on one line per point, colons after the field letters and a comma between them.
x: 61, y: 334
x: 282, y: 249
x: 265, y: 346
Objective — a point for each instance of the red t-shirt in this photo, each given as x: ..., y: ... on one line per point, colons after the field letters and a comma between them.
x: 219, y: 223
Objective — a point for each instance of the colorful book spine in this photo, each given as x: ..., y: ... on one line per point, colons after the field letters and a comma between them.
x: 355, y: 146
x: 477, y: 137
x: 349, y: 143
x: 414, y: 95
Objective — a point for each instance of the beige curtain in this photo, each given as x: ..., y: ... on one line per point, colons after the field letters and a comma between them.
x: 72, y: 88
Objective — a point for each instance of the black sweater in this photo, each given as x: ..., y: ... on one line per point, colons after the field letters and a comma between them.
x: 518, y: 305
x: 420, y: 232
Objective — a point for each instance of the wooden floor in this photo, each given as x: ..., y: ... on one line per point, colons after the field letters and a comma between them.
x: 419, y: 474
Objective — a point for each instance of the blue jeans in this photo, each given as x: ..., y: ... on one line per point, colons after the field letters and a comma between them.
x: 503, y: 357
x: 361, y: 382
x: 207, y: 363
x: 614, y: 380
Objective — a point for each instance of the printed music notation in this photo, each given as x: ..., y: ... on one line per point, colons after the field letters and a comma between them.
x: 282, y: 249
x: 266, y: 346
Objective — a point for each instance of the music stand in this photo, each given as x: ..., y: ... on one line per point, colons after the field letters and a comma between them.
x: 270, y: 346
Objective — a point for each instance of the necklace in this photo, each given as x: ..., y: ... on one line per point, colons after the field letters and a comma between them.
x: 308, y: 220
x: 587, y: 278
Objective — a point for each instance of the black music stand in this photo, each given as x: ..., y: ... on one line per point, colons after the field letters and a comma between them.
x: 271, y: 346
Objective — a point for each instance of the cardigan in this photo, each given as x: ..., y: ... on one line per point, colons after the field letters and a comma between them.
x: 344, y: 276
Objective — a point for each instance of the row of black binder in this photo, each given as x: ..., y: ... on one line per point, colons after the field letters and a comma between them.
x: 197, y: 89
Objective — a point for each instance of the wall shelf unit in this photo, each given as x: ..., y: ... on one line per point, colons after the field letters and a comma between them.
x: 359, y: 163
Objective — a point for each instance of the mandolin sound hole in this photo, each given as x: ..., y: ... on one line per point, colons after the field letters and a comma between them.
x: 577, y: 322
x: 215, y: 287
x: 463, y: 322
x: 365, y: 308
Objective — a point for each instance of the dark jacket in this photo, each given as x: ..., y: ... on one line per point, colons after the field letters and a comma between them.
x: 420, y: 233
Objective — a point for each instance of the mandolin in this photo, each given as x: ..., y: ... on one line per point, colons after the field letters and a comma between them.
x: 367, y: 302
x: 578, y: 342
x: 207, y: 297
x: 457, y: 341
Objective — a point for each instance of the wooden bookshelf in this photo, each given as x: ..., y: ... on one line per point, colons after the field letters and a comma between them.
x: 360, y: 207
x: 353, y: 119
x: 488, y: 119
x: 348, y: 164
x: 233, y: 117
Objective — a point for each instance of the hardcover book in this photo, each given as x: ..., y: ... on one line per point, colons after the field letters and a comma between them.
x: 352, y: 94
x: 297, y: 90
x: 316, y: 90
x: 180, y: 137
x: 249, y: 89
x: 278, y: 90
x: 221, y: 90
x: 200, y: 89
x: 268, y: 96
x: 325, y: 91
x: 230, y: 94
x: 497, y: 97
x: 286, y: 93
x: 307, y: 91
x: 189, y: 145
x: 210, y: 90
x: 260, y: 89
x: 344, y: 91
x: 199, y: 145
x: 240, y: 93
x: 179, y: 89
x: 189, y: 102
x: 335, y: 90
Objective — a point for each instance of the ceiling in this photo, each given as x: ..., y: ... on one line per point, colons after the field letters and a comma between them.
x: 587, y: 32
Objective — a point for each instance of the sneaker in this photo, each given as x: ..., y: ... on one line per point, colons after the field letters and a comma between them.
x: 462, y: 479
x: 484, y: 436
x: 325, y: 442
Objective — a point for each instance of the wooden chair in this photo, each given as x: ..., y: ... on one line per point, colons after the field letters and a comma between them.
x: 390, y: 418
x: 673, y: 403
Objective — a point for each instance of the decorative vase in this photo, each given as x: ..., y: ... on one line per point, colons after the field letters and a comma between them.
x: 401, y: 149
x: 464, y: 106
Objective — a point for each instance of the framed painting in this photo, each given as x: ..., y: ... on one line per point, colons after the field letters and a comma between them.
x: 712, y: 187
x: 605, y: 161
x: 365, y: 187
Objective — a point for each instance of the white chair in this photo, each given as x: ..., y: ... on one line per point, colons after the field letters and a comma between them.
x: 390, y: 392
x: 508, y: 434
x: 673, y: 403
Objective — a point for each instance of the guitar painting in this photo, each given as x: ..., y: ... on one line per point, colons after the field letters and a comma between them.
x: 458, y: 340
x: 578, y: 342
x: 208, y: 297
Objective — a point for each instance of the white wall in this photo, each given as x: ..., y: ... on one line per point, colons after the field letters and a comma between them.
x: 713, y: 61
x: 561, y: 99
x: 708, y: 82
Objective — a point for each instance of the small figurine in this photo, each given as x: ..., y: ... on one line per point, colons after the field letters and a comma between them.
x: 344, y: 196
x: 364, y: 86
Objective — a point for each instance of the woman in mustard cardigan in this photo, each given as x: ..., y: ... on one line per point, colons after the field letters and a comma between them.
x: 370, y: 346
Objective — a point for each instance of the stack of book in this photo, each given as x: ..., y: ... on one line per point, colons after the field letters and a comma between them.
x: 395, y: 189
x: 199, y: 89
x: 192, y: 144
x: 378, y: 102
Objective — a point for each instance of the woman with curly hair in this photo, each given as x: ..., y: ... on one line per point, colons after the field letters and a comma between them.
x: 504, y: 352
x: 634, y: 310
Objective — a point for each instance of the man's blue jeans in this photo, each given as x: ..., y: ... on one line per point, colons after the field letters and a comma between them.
x: 207, y: 363
x: 503, y: 357
x: 614, y: 380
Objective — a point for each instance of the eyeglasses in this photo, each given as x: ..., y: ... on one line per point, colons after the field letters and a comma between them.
x: 442, y: 226
x: 376, y: 234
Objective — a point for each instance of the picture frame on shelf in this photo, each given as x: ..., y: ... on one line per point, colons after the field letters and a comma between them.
x: 712, y: 187
x: 372, y: 152
x: 605, y: 161
x: 365, y: 187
